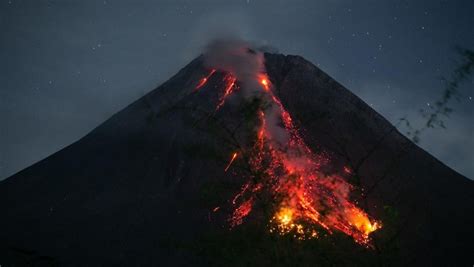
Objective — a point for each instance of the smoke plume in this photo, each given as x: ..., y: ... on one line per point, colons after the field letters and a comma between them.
x: 245, y: 61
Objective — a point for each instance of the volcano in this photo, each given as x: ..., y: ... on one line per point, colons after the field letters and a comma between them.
x: 241, y: 158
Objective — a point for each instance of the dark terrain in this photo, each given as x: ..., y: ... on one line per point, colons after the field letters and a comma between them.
x: 140, y: 188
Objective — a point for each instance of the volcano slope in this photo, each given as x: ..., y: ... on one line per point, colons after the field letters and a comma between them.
x: 153, y: 185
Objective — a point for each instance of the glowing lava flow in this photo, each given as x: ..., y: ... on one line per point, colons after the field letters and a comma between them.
x: 230, y: 162
x: 306, y: 199
x: 204, y: 80
x: 229, y: 79
x: 264, y: 82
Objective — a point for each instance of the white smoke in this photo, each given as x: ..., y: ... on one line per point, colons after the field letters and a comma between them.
x: 245, y: 61
x: 238, y: 57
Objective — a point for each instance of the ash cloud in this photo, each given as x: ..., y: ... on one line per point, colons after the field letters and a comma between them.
x: 238, y: 57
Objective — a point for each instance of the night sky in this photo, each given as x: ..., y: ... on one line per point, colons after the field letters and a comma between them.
x: 67, y: 66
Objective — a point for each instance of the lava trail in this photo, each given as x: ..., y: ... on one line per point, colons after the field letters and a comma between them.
x: 204, y: 80
x: 234, y: 156
x: 307, y: 200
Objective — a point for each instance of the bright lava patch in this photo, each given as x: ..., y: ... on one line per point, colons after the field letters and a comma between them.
x: 306, y: 199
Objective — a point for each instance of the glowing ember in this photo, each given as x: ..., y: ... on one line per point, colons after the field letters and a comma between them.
x: 204, y: 80
x: 347, y: 170
x: 241, y: 212
x: 230, y: 84
x: 283, y: 222
x: 306, y: 199
x: 230, y: 162
x: 264, y: 82
x: 285, y: 216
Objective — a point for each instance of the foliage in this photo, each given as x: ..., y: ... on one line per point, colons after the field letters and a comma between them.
x: 435, y: 114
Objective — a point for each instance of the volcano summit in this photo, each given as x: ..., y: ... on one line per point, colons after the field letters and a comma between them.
x: 242, y: 158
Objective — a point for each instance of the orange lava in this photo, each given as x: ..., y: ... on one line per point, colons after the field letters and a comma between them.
x: 229, y: 79
x: 307, y: 200
x: 230, y: 162
x: 264, y: 82
x: 241, y: 212
x: 204, y: 80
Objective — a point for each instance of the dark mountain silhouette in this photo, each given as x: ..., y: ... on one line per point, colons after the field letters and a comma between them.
x: 140, y: 189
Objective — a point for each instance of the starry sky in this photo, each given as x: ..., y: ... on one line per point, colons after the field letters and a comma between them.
x: 66, y: 66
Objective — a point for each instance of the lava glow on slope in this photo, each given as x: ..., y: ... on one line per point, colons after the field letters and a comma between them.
x: 229, y: 88
x: 234, y: 156
x: 203, y: 81
x: 306, y: 200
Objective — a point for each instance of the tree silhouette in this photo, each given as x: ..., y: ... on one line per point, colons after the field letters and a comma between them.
x: 436, y: 114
